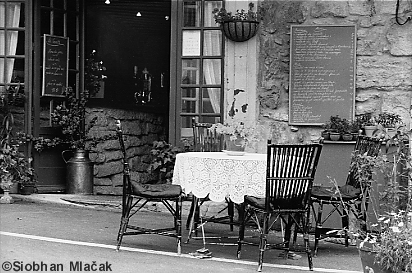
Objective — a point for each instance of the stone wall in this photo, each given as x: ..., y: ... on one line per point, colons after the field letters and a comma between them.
x: 384, y: 59
x: 139, y: 129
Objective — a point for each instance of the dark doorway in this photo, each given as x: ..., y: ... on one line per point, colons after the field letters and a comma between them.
x: 128, y: 37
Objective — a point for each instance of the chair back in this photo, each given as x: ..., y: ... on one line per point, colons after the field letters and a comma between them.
x: 119, y: 133
x: 364, y: 145
x: 127, y: 187
x: 205, y: 140
x: 289, y: 176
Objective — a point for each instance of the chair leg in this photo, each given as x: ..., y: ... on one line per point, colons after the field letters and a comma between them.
x: 192, y: 218
x: 345, y: 225
x: 231, y: 212
x: 242, y: 223
x: 318, y: 228
x: 196, y: 216
x: 191, y: 213
x: 263, y: 240
x: 124, y: 221
x: 305, y: 225
x: 178, y: 224
x: 287, y: 235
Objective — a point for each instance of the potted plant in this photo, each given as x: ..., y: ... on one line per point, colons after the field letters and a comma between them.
x: 15, y: 168
x: 69, y: 118
x: 239, y: 26
x: 163, y: 161
x: 334, y: 127
x: 386, y: 245
x: 368, y: 123
x: 345, y: 129
x: 355, y: 128
x: 388, y: 122
x: 237, y: 134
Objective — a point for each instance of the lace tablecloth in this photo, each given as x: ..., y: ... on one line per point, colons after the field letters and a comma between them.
x: 221, y: 175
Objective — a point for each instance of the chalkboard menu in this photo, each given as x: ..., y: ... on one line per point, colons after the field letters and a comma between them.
x: 55, y: 65
x: 322, y: 73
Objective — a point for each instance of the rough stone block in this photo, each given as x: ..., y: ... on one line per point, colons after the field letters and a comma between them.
x: 109, y: 168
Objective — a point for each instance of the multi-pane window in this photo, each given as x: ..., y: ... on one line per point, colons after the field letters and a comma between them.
x: 12, y: 56
x: 201, y: 83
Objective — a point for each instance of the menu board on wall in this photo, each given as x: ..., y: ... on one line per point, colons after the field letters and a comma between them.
x: 322, y: 73
x: 55, y: 65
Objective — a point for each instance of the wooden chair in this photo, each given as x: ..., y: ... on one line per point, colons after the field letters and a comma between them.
x: 136, y: 195
x: 205, y: 140
x: 354, y: 196
x: 289, y: 176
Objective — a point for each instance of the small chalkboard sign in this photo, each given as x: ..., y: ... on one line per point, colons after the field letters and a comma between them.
x: 55, y: 65
x: 322, y: 73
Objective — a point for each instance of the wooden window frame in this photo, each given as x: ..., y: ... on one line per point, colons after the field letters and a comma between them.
x: 175, y: 113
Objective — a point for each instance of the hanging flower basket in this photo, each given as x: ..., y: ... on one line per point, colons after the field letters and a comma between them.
x: 239, y: 31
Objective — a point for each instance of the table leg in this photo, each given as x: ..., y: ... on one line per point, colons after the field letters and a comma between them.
x: 191, y: 216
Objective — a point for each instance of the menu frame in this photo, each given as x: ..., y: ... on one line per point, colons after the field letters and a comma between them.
x: 60, y: 80
x: 330, y: 98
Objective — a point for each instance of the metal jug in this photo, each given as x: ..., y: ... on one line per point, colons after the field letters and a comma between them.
x: 79, y: 175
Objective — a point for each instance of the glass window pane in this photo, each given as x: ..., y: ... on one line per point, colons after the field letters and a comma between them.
x: 212, y: 71
x: 2, y: 42
x: 71, y: 26
x: 45, y: 22
x: 45, y: 3
x: 2, y: 76
x: 186, y: 127
x: 209, y: 119
x: 211, y: 100
x: 190, y: 71
x: 71, y: 5
x: 11, y: 45
x: 18, y: 68
x: 20, y: 43
x: 212, y: 44
x: 192, y: 13
x: 13, y: 14
x: 191, y: 43
x: 72, y: 55
x: 190, y: 97
x: 209, y: 7
x: 72, y: 79
x: 59, y: 4
x: 58, y: 24
x: 22, y: 22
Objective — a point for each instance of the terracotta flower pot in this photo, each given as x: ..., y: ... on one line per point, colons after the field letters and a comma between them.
x: 334, y: 136
x: 369, y: 129
x: 347, y: 137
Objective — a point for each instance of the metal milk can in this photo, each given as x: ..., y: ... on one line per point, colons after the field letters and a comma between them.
x: 79, y: 172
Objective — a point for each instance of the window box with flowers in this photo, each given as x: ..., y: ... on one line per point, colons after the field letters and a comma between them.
x: 239, y: 26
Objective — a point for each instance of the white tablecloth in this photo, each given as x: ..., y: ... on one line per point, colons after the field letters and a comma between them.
x: 221, y: 175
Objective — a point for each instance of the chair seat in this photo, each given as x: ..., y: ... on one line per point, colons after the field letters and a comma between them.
x: 348, y: 192
x: 156, y: 190
x: 259, y: 203
x: 255, y: 201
